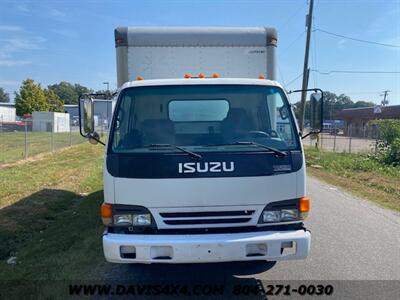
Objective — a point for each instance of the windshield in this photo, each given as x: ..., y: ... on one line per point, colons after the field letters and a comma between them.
x: 202, y: 118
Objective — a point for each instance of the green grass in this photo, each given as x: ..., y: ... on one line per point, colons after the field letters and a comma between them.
x: 12, y: 144
x: 360, y: 174
x: 50, y: 217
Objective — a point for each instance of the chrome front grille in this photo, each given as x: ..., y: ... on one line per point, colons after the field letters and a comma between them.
x: 207, y: 217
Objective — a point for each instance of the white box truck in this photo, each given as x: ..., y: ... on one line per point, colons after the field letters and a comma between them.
x: 204, y: 161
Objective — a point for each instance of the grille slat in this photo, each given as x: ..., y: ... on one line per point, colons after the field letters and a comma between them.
x: 206, y: 221
x: 207, y: 214
x: 207, y: 217
x: 211, y: 217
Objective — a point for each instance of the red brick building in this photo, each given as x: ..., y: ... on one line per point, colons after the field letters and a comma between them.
x: 356, y: 119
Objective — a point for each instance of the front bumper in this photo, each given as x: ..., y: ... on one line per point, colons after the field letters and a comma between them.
x: 206, y: 248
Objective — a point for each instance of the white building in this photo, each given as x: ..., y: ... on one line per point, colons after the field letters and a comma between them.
x: 7, y: 112
x: 50, y: 121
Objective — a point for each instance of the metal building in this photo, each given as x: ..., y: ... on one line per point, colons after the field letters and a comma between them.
x: 7, y: 112
x: 50, y: 121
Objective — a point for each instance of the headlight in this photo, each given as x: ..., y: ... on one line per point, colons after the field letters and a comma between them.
x: 289, y: 215
x: 123, y: 220
x: 141, y: 220
x: 284, y: 215
x: 285, y: 211
x: 271, y: 216
x: 132, y: 219
x: 120, y: 215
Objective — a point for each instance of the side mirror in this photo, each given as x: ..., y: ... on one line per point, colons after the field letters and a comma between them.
x: 86, y: 116
x: 314, y: 109
x: 86, y: 119
x: 316, y: 112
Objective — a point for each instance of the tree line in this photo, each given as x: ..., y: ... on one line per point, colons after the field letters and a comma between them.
x: 333, y: 105
x: 33, y: 97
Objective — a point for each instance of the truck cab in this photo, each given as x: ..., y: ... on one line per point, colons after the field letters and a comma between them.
x: 200, y: 170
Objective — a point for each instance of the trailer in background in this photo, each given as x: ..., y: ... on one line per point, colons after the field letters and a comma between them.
x: 50, y: 121
x: 7, y: 112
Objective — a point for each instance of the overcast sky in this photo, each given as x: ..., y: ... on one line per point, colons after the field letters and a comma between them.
x: 50, y: 41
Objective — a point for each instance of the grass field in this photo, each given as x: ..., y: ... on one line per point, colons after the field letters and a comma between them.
x: 12, y: 144
x: 358, y: 174
x: 50, y: 216
x: 50, y: 219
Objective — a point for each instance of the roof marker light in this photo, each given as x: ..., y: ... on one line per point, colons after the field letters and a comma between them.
x: 215, y: 75
x: 261, y: 76
x: 188, y: 75
x: 139, y: 78
x: 201, y: 75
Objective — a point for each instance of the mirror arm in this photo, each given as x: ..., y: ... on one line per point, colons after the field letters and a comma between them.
x: 322, y: 108
x: 91, y: 136
x: 311, y: 132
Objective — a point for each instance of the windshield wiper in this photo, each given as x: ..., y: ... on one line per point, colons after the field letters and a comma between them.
x: 190, y: 153
x: 276, y: 151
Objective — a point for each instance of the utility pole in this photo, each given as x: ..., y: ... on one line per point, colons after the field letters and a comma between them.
x: 108, y: 85
x: 306, y: 70
x: 108, y: 117
x: 385, y: 94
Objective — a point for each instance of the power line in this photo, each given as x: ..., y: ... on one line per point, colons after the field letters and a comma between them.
x: 354, y: 72
x: 356, y: 39
x: 292, y: 42
x: 294, y: 79
x: 363, y: 93
x: 291, y: 17
x: 306, y: 69
x: 284, y: 24
x: 281, y: 74
x: 314, y: 55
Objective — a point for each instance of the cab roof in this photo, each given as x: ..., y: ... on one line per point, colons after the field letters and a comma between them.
x: 200, y: 81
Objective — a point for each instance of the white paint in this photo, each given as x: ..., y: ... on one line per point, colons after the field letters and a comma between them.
x: 206, y: 248
x: 175, y: 62
x: 7, y: 113
x: 50, y: 121
x: 237, y: 64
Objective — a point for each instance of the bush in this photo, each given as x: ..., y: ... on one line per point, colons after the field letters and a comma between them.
x: 389, y: 141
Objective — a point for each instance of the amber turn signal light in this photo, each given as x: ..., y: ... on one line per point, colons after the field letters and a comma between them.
x: 106, y: 213
x: 304, y: 204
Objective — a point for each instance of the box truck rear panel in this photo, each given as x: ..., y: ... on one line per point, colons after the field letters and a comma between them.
x: 155, y: 53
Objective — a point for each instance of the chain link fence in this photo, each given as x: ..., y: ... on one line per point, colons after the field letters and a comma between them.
x: 22, y: 139
x: 350, y: 139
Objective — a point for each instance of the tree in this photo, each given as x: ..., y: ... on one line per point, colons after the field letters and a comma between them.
x: 4, y: 97
x: 389, y: 140
x: 333, y: 105
x: 363, y: 104
x: 55, y: 103
x: 80, y: 89
x: 30, y: 98
x: 67, y: 92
